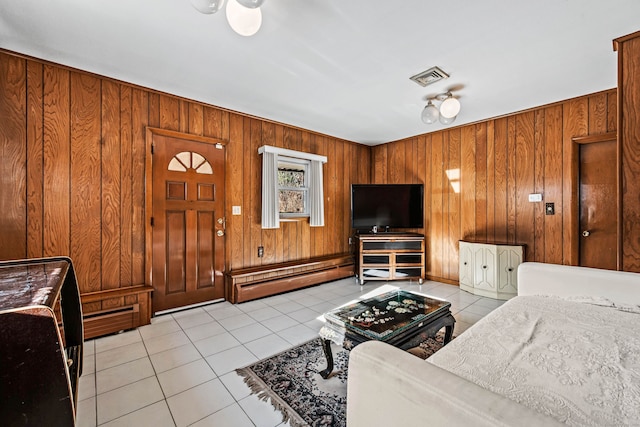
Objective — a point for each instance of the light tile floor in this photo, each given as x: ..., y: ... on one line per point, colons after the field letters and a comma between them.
x: 180, y: 369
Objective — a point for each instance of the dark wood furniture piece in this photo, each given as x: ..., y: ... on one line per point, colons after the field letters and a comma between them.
x: 41, y: 341
x: 390, y: 256
x: 400, y: 318
x: 260, y: 281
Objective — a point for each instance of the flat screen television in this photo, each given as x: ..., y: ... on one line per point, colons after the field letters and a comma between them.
x: 387, y: 205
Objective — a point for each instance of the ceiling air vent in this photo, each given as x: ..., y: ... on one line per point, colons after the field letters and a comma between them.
x: 432, y: 75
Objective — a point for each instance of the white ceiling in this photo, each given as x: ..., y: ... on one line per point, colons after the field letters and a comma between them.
x: 339, y: 67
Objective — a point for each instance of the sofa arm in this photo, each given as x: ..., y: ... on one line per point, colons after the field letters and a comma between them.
x: 536, y: 278
x: 388, y: 386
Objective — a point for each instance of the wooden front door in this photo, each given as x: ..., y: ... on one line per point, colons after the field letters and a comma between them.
x: 188, y: 222
x: 598, y: 222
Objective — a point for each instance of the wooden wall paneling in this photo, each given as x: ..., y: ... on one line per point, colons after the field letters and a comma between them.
x: 270, y: 237
x: 139, y: 121
x: 524, y: 156
x: 481, y: 181
x: 446, y: 191
x: 597, y: 113
x: 500, y: 180
x: 13, y: 152
x: 612, y: 110
x: 196, y: 119
x: 396, y: 163
x: 255, y: 190
x: 491, y: 181
x: 339, y: 232
x: 154, y: 109
x: 307, y: 142
x: 212, y: 123
x: 111, y: 195
x: 56, y: 161
x: 85, y: 213
x: 184, y: 120
x: 538, y: 184
x: 511, y: 180
x: 427, y: 166
x: 629, y: 141
x: 453, y: 211
x: 126, y: 186
x: 379, y: 173
x: 323, y: 240
x: 35, y: 160
x: 169, y: 113
x: 436, y: 232
x: 235, y: 193
x: 575, y: 123
x: 282, y: 235
x: 553, y: 184
x: 468, y: 183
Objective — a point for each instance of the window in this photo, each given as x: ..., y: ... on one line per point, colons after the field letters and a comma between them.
x: 291, y: 186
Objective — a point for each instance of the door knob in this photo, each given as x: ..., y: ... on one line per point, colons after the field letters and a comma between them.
x: 220, y: 233
x: 585, y: 233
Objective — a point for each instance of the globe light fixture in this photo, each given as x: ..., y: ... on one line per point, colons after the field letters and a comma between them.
x: 445, y: 114
x: 243, y: 20
x: 207, y: 6
x: 450, y: 107
x: 430, y: 113
x: 251, y: 4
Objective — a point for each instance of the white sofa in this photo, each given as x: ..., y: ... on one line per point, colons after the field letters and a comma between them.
x: 569, y: 357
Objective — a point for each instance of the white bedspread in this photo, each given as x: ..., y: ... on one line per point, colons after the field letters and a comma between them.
x: 575, y: 361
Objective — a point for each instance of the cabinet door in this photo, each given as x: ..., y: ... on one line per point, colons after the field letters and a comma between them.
x: 484, y: 264
x: 466, y: 265
x: 509, y: 257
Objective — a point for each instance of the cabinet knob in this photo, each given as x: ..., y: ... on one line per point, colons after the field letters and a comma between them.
x: 484, y: 266
x: 465, y: 263
x: 510, y: 269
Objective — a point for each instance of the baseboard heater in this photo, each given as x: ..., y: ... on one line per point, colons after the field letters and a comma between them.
x: 131, y: 307
x: 260, y: 281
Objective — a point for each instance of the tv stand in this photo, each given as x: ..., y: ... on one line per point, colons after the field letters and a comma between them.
x: 390, y: 256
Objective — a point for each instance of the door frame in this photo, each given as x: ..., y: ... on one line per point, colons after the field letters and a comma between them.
x: 148, y: 191
x: 575, y: 190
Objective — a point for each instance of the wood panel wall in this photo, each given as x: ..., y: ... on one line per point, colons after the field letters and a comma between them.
x: 628, y: 48
x: 72, y: 173
x: 478, y: 178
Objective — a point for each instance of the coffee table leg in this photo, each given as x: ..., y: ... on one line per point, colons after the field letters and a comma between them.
x: 448, y: 333
x: 326, y: 345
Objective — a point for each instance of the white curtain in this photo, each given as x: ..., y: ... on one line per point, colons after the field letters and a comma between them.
x: 270, y: 208
x: 316, y: 195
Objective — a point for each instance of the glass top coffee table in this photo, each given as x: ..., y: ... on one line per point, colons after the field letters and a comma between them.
x: 400, y: 318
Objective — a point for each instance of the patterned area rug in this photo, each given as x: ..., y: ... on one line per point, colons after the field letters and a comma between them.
x: 291, y: 383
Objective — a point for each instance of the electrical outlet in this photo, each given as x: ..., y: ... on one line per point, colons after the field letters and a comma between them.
x: 350, y: 241
x: 549, y: 209
x: 260, y: 251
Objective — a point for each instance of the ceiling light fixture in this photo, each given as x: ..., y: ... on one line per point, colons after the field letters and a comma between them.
x: 446, y: 114
x: 244, y: 16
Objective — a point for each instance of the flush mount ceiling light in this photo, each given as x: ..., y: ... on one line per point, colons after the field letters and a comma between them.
x: 446, y: 114
x: 244, y: 16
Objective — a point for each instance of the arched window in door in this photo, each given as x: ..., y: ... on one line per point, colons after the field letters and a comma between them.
x: 185, y: 160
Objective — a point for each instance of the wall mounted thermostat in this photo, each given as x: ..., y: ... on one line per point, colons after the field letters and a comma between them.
x: 535, y: 197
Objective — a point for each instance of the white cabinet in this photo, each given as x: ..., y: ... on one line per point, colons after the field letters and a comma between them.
x: 490, y: 270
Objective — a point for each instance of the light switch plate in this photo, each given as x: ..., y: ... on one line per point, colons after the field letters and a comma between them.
x: 236, y: 210
x: 535, y: 197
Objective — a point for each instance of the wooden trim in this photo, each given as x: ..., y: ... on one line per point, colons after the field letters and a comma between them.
x: 575, y: 186
x: 623, y: 39
x: 115, y: 293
